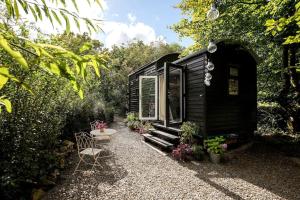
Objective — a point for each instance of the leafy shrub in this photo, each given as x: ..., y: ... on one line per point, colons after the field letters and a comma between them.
x: 133, y: 121
x: 182, y: 152
x: 134, y: 125
x: 132, y: 117
x: 271, y: 119
x: 109, y: 113
x: 216, y: 145
x: 188, y: 130
x: 198, y: 152
x: 145, y: 127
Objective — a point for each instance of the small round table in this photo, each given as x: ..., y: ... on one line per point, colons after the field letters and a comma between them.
x: 106, y: 132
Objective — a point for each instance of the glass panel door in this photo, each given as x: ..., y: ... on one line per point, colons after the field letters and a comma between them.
x: 175, y: 95
x: 148, y: 98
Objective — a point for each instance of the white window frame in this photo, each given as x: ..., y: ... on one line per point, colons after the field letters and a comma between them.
x: 140, y: 98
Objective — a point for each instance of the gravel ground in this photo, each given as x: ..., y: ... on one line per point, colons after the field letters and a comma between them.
x: 136, y: 171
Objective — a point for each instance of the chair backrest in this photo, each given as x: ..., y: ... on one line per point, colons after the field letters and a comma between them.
x: 84, y: 141
x: 94, y: 124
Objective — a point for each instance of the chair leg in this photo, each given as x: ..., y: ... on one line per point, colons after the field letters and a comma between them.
x: 77, y: 166
x: 96, y: 163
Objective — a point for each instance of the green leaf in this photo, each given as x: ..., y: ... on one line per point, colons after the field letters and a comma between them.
x: 6, y: 103
x: 15, y: 54
x: 76, y: 22
x: 99, y: 3
x: 90, y: 23
x: 80, y: 93
x: 77, y: 68
x: 63, y: 2
x: 24, y: 5
x: 47, y: 13
x: 270, y: 22
x: 54, y: 68
x: 3, y: 76
x: 33, y: 13
x: 86, y: 46
x: 66, y: 21
x: 96, y: 68
x: 16, y: 9
x: 75, y: 5
x: 297, y: 6
x: 56, y: 17
x: 38, y: 10
x: 83, y: 69
x: 9, y: 7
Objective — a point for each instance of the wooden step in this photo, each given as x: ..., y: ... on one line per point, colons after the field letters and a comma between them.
x: 164, y: 134
x: 157, y: 140
x: 165, y: 128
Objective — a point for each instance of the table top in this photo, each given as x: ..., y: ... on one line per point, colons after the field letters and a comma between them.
x: 107, y: 131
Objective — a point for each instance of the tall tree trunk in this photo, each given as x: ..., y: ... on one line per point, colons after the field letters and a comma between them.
x: 294, y: 120
x: 289, y: 95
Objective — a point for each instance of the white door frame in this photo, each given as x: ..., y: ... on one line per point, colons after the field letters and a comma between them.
x: 140, y: 98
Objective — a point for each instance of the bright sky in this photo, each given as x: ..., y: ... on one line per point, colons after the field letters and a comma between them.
x: 125, y: 20
x: 147, y: 20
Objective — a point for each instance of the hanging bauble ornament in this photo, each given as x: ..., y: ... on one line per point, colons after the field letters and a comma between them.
x: 212, y: 47
x: 208, y: 76
x: 213, y: 13
x: 207, y: 82
x: 210, y: 66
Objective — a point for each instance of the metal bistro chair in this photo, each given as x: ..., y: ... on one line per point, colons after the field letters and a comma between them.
x: 94, y: 124
x: 86, y: 147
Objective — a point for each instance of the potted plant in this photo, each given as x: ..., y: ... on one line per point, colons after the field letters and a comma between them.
x: 182, y: 152
x: 188, y: 130
x: 145, y: 127
x: 101, y: 126
x: 198, y: 152
x: 215, y: 147
x: 132, y: 121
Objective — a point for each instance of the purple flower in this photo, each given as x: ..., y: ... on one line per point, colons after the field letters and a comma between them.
x: 224, y: 146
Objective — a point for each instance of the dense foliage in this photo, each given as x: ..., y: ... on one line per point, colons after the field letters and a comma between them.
x: 51, y: 58
x: 126, y: 59
x: 263, y: 26
x: 30, y: 134
x: 41, y: 81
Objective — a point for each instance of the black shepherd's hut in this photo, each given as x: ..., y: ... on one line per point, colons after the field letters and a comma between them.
x: 170, y: 91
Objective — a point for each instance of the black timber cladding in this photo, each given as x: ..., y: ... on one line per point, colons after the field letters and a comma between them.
x: 229, y: 113
x: 149, y: 69
x: 194, y: 89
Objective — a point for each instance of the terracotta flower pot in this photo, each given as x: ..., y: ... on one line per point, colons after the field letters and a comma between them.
x: 215, y: 158
x: 101, y: 129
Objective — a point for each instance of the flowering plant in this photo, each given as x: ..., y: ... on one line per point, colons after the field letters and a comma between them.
x: 101, y: 125
x: 216, y: 145
x: 182, y: 151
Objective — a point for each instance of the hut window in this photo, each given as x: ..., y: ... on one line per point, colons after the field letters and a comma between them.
x: 233, y: 83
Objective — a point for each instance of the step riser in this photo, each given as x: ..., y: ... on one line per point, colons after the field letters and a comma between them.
x: 170, y: 130
x: 156, y: 145
x: 158, y: 141
x: 165, y: 136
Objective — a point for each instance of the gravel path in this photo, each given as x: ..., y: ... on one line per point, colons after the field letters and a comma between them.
x: 136, y: 171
